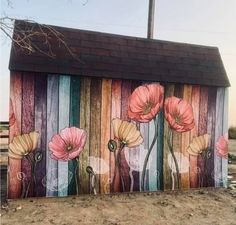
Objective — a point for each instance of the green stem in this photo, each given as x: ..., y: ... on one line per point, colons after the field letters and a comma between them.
x: 147, y: 156
x: 119, y: 163
x: 32, y: 178
x: 173, y: 155
x: 114, y: 177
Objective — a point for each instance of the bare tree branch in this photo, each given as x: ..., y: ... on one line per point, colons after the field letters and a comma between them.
x: 25, y: 38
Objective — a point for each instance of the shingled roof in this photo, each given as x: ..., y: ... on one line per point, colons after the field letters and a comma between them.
x: 115, y: 56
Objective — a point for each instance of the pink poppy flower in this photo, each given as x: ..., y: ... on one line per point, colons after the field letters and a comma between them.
x: 68, y: 144
x: 145, y: 102
x: 179, y: 114
x: 222, y: 146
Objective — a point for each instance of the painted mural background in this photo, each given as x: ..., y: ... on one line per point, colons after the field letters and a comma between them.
x: 75, y: 135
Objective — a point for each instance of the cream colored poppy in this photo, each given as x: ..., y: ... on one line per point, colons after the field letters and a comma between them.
x: 22, y: 145
x: 198, y: 145
x: 127, y: 133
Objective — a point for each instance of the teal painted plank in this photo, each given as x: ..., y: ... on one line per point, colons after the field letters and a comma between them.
x: 64, y: 113
x: 74, y: 121
x: 218, y: 133
x: 152, y: 163
x: 160, y: 151
x: 225, y: 131
x: 51, y: 179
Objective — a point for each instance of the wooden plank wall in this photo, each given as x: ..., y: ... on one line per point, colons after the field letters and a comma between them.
x: 54, y: 102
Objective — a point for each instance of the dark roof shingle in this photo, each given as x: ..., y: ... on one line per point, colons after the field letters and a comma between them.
x: 115, y: 56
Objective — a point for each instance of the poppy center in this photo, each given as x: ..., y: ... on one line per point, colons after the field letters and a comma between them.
x: 177, y: 119
x: 147, y: 108
x: 69, y: 148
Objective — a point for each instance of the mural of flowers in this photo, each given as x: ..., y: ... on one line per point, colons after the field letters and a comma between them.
x: 145, y: 102
x: 135, y: 159
x: 67, y: 145
x: 22, y: 146
x: 222, y: 146
x: 183, y: 165
x: 179, y: 114
x: 126, y: 134
x: 198, y: 145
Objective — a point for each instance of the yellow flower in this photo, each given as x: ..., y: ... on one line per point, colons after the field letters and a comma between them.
x: 198, y: 145
x: 127, y: 133
x: 22, y: 145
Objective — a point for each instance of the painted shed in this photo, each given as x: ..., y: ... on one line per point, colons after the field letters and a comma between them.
x: 105, y: 113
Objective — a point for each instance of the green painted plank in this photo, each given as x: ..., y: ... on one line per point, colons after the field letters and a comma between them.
x: 64, y: 113
x: 159, y: 156
x: 73, y: 168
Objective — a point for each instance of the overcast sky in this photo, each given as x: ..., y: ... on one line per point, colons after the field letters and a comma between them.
x: 205, y: 22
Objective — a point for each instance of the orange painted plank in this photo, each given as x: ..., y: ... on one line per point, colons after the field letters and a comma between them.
x: 177, y: 137
x: 27, y: 125
x: 125, y: 94
x: 95, y: 124
x: 193, y: 169
x: 14, y: 183
x: 105, y: 134
x: 187, y: 95
x: 115, y: 113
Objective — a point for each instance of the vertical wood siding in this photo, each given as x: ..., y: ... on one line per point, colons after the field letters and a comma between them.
x: 50, y: 103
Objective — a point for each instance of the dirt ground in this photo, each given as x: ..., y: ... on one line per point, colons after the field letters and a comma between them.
x: 207, y: 206
x: 195, y: 207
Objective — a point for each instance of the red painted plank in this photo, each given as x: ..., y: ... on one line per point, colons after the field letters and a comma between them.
x: 27, y: 124
x: 14, y: 183
x: 202, y: 129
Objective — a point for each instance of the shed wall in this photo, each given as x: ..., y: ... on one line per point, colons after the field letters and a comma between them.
x: 50, y: 103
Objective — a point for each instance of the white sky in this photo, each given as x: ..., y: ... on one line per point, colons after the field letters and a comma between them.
x: 206, y: 22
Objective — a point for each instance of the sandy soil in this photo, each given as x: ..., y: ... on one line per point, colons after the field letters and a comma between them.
x: 207, y: 206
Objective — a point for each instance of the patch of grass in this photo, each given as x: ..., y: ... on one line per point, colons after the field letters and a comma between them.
x: 232, y: 133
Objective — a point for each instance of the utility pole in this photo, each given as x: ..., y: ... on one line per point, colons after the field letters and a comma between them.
x: 151, y: 19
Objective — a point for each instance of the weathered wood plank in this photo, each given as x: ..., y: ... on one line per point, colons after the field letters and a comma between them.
x: 64, y: 114
x: 152, y: 164
x: 193, y: 170
x: 125, y: 94
x: 160, y: 150
x: 14, y: 183
x: 187, y: 95
x: 225, y: 131
x: 169, y: 91
x: 202, y: 129
x: 27, y: 125
x: 136, y: 174
x: 73, y: 168
x: 40, y: 98
x: 95, y: 123
x: 105, y: 133
x: 218, y: 132
x: 52, y: 129
x: 115, y: 113
x: 211, y: 118
x: 177, y: 137
x: 84, y: 124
